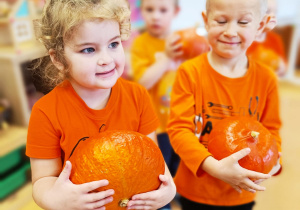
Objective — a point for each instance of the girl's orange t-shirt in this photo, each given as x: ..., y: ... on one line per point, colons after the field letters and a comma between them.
x: 61, y: 118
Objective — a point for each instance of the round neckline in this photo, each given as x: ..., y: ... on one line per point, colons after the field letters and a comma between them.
x: 226, y: 79
x: 93, y: 113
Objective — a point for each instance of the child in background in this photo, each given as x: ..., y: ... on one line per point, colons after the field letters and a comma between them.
x: 86, y: 60
x: 215, y: 85
x: 153, y: 61
x: 268, y: 48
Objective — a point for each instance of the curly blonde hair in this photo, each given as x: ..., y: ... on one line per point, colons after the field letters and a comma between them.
x: 60, y: 19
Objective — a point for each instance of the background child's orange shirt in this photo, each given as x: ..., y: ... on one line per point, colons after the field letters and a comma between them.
x: 142, y: 56
x: 272, y: 42
x: 199, y: 89
x: 61, y: 118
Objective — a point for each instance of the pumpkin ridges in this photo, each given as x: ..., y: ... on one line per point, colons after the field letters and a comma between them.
x: 263, y: 155
x: 129, y: 159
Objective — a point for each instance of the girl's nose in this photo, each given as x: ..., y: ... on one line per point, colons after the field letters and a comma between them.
x: 104, y: 59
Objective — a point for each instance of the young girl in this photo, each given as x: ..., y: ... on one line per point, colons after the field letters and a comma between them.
x: 83, y: 38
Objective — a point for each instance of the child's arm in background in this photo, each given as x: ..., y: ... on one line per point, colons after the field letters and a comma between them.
x: 163, y: 62
x: 157, y: 198
x: 52, y: 188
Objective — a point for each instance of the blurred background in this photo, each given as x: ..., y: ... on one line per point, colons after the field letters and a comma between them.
x: 18, y: 93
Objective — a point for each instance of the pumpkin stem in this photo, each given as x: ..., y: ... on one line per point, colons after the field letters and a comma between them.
x: 123, y: 202
x: 254, y: 134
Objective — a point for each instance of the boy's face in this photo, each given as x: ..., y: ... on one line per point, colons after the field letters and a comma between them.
x: 232, y: 26
x: 95, y: 55
x: 158, y: 16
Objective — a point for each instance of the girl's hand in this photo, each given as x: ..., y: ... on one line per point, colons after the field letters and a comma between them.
x: 66, y: 195
x: 157, y: 198
x: 229, y: 171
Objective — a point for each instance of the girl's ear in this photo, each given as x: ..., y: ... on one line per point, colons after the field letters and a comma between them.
x: 56, y: 63
x: 204, y: 16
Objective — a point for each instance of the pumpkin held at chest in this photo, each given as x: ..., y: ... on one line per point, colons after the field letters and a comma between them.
x: 130, y: 161
x: 235, y: 133
x: 192, y: 43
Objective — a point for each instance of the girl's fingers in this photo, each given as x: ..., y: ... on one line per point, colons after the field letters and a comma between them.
x: 90, y: 186
x: 65, y: 174
x: 99, y: 204
x: 97, y: 196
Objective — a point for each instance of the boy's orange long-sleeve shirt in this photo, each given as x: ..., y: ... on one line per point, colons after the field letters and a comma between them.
x: 199, y: 89
x: 61, y: 118
x: 143, y: 52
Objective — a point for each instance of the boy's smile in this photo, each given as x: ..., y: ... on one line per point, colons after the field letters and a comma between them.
x: 232, y: 26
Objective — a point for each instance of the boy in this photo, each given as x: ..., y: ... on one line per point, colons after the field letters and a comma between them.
x: 153, y: 57
x: 215, y: 85
x: 268, y: 48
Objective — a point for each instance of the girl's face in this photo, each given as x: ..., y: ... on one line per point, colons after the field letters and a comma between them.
x: 95, y: 55
x: 232, y: 26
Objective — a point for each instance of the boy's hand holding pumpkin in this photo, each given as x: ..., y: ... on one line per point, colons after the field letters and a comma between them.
x: 229, y: 171
x: 79, y: 196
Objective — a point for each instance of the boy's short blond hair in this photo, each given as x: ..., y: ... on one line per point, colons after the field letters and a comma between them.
x: 263, y: 6
x: 59, y: 20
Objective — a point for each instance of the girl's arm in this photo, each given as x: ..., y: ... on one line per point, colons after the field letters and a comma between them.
x: 157, y: 198
x: 52, y: 188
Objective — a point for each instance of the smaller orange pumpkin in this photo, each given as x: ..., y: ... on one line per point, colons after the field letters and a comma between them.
x: 235, y: 133
x: 267, y: 57
x: 193, y: 44
x: 130, y: 161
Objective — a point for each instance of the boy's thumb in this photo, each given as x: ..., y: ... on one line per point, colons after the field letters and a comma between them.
x: 240, y: 154
x: 65, y: 174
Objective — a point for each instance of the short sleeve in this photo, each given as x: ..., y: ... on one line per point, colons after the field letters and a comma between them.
x: 43, y: 141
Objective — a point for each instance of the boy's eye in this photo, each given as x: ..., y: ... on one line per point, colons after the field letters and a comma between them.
x: 221, y: 22
x: 88, y: 50
x: 114, y: 45
x: 243, y: 22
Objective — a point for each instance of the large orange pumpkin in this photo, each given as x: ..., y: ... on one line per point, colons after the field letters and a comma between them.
x: 130, y: 161
x: 193, y: 44
x: 235, y: 133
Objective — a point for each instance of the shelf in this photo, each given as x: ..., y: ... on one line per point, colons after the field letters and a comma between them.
x: 12, y: 138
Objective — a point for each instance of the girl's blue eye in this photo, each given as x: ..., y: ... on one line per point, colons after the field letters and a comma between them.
x: 114, y: 45
x: 88, y: 50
